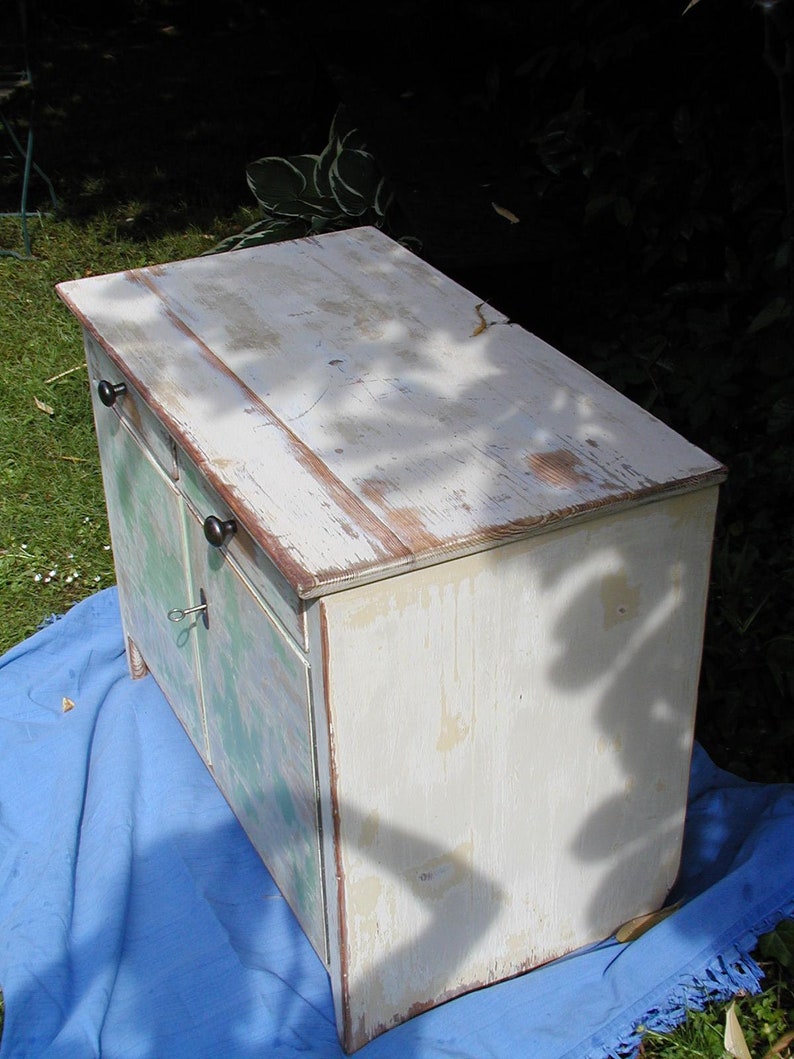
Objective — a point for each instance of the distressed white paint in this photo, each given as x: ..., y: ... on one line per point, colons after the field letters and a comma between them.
x: 335, y: 388
x: 511, y: 735
x: 467, y: 589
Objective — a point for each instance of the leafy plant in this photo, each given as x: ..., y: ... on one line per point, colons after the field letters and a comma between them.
x: 307, y: 194
x: 778, y: 944
x: 680, y: 296
x: 765, y: 1021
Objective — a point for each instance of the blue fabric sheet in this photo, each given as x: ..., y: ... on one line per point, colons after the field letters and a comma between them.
x: 136, y: 920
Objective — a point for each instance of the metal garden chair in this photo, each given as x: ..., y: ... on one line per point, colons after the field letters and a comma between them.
x: 16, y: 78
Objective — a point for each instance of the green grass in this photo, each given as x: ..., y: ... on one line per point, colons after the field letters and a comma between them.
x: 54, y: 539
x: 766, y: 1021
x: 54, y: 542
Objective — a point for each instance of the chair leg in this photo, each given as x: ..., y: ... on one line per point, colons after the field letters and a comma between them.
x: 23, y: 205
x: 26, y: 153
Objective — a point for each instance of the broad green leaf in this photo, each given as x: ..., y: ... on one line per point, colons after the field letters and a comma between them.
x: 778, y: 944
x: 324, y: 162
x: 597, y: 204
x: 303, y: 208
x: 307, y: 166
x: 354, y: 181
x: 777, y: 309
x: 341, y: 124
x: 780, y: 661
x: 275, y: 180
x: 383, y: 198
x: 624, y: 211
x: 733, y: 266
x: 267, y: 230
x: 781, y: 415
x: 278, y: 232
x: 353, y: 140
x: 328, y: 224
x: 232, y: 242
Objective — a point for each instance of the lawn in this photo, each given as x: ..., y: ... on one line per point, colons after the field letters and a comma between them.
x: 54, y: 545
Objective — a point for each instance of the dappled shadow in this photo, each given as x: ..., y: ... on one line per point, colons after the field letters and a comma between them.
x: 626, y: 649
x: 598, y: 697
x: 426, y: 430
x: 152, y: 927
x: 194, y: 953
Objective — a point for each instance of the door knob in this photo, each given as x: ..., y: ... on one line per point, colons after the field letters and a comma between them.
x: 217, y: 531
x: 109, y: 391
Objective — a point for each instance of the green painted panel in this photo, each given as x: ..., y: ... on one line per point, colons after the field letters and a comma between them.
x: 146, y: 516
x: 255, y: 686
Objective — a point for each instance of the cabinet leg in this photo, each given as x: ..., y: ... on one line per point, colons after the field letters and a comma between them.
x: 135, y: 661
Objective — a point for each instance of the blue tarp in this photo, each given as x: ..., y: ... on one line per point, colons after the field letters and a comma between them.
x: 137, y: 921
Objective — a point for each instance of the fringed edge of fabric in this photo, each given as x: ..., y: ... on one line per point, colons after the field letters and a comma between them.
x: 729, y: 974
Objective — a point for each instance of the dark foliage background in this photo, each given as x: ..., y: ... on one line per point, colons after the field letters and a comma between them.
x: 645, y: 148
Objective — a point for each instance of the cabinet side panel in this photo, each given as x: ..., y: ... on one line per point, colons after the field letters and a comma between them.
x: 511, y: 734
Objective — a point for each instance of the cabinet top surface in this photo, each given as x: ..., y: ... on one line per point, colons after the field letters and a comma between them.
x: 362, y: 414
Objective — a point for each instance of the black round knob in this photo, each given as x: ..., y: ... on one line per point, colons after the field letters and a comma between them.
x: 108, y: 391
x: 217, y: 531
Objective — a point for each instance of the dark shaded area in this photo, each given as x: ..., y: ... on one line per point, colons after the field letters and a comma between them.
x: 639, y: 148
x: 154, y: 109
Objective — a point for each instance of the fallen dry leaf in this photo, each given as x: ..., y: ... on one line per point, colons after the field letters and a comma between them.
x: 507, y: 214
x: 780, y: 1045
x: 42, y: 407
x: 734, y: 1041
x: 638, y: 926
x: 481, y: 326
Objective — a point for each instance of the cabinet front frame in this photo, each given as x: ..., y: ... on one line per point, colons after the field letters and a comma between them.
x: 164, y: 563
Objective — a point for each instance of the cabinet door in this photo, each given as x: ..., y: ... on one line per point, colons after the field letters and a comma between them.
x: 146, y: 516
x: 256, y: 693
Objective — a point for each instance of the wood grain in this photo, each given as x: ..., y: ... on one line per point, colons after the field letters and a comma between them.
x: 334, y: 392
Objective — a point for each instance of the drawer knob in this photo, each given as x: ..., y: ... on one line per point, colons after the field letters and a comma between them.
x: 180, y: 613
x: 108, y: 391
x: 217, y: 531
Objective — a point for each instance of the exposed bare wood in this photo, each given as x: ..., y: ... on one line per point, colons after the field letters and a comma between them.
x: 298, y: 375
x: 442, y: 654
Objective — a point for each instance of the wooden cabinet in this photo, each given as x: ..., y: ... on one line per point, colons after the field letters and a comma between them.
x: 442, y: 656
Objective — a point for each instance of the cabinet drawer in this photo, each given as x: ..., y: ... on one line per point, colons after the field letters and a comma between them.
x: 131, y: 408
x: 245, y: 554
